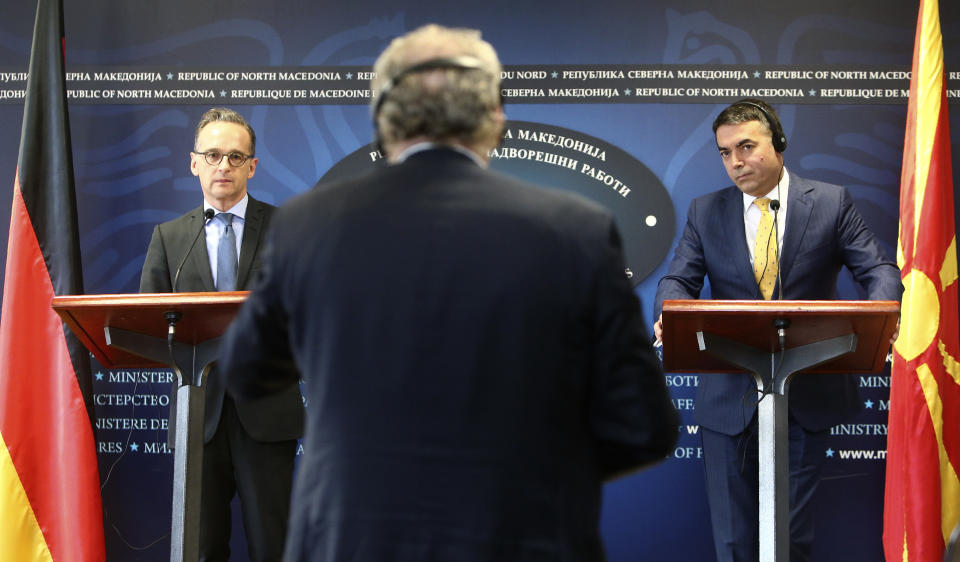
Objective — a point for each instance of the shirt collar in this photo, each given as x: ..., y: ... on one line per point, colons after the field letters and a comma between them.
x: 239, y: 210
x: 424, y: 146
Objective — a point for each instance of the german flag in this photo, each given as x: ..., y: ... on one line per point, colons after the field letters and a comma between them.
x: 922, y: 498
x: 49, y: 484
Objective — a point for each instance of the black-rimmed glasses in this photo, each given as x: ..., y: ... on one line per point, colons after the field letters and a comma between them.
x: 235, y: 159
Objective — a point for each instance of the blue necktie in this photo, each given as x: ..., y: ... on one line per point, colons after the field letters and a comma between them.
x: 227, y: 255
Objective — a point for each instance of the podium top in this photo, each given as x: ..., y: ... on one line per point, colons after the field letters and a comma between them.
x: 751, y: 323
x: 203, y: 316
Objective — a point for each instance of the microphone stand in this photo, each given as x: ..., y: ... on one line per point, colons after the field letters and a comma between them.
x: 173, y: 316
x: 781, y: 324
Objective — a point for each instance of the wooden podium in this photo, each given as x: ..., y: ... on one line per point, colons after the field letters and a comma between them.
x: 134, y: 331
x: 773, y: 341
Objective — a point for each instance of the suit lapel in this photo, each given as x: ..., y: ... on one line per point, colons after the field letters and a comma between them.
x: 252, y: 232
x: 798, y: 215
x: 199, y: 260
x: 740, y: 255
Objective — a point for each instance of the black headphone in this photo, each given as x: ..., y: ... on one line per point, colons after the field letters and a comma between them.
x: 463, y: 62
x: 779, y: 139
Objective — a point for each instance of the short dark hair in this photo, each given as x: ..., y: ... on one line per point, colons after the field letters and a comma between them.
x: 753, y: 109
x: 229, y: 116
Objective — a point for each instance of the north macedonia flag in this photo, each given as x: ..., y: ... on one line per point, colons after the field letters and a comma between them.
x: 922, y: 498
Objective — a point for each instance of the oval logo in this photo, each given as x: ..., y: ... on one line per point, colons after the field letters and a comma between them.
x: 559, y: 158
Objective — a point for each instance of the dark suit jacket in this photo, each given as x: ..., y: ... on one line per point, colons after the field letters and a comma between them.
x: 276, y: 417
x: 474, y: 358
x: 824, y: 232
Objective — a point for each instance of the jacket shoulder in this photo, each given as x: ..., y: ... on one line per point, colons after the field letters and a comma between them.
x: 725, y: 194
x: 181, y: 222
x: 815, y: 188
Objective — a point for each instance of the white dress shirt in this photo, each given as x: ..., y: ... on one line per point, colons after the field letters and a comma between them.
x: 751, y: 214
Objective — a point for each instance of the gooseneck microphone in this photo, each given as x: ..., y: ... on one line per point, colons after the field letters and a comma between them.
x: 775, y: 206
x: 781, y: 324
x: 173, y: 316
x: 207, y: 215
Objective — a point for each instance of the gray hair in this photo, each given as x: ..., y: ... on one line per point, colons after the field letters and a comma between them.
x: 228, y: 116
x: 445, y: 103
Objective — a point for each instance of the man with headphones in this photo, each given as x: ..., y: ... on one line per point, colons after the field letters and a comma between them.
x: 465, y: 403
x: 771, y: 235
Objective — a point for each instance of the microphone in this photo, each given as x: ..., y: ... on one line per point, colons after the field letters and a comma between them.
x: 781, y: 324
x: 173, y: 316
x: 207, y: 215
x: 775, y: 206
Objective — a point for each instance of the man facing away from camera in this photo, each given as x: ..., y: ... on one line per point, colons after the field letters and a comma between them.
x: 473, y: 353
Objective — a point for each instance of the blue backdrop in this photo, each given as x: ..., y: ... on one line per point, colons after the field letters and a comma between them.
x: 636, y: 83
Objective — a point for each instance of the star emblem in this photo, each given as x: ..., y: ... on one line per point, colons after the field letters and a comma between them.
x: 169, y: 76
x: 134, y: 447
x: 813, y: 92
x: 830, y: 453
x: 223, y: 93
x: 756, y: 74
x: 99, y: 376
x: 349, y: 76
x: 868, y: 404
x: 554, y: 74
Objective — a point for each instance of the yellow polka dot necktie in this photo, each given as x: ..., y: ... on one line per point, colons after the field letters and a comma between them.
x: 765, y: 251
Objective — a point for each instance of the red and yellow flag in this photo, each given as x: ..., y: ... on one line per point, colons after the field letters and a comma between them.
x: 49, y: 485
x: 922, y: 497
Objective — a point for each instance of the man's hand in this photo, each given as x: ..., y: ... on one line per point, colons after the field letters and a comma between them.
x: 658, y: 329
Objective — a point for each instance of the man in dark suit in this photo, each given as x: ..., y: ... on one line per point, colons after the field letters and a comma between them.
x: 472, y: 350
x: 731, y: 239
x: 249, y: 445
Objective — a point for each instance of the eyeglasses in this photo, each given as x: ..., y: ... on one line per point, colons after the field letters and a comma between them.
x: 235, y: 159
